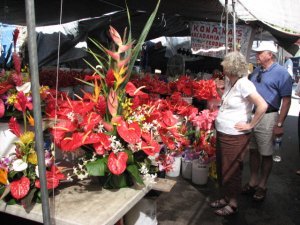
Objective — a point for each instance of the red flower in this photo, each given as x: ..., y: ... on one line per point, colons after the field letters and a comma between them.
x: 117, y: 162
x: 22, y: 102
x: 131, y: 133
x: 110, y: 78
x: 53, y: 177
x: 20, y: 188
x: 14, y: 127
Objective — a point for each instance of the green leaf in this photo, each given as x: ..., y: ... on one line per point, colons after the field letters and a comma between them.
x: 130, y: 159
x: 118, y: 181
x: 142, y: 37
x: 134, y: 172
x: 97, y: 167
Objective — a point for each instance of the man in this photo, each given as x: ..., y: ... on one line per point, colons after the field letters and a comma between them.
x: 274, y: 84
x: 289, y: 66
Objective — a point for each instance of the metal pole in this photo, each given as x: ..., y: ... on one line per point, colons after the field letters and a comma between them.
x: 234, y: 25
x: 226, y: 27
x: 35, y: 89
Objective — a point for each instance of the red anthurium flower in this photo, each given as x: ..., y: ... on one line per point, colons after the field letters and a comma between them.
x: 22, y: 102
x: 70, y: 143
x: 90, y: 121
x: 169, y: 119
x: 117, y: 162
x: 53, y: 177
x: 100, y: 142
x: 2, y: 108
x: 20, y: 188
x: 168, y: 141
x: 132, y: 90
x: 14, y: 126
x: 131, y: 133
x: 112, y: 103
x: 149, y: 146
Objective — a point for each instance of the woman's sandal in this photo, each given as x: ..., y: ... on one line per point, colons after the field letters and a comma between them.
x: 260, y: 194
x: 219, y: 203
x: 248, y: 189
x: 227, y: 210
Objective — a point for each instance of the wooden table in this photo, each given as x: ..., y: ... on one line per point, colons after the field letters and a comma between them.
x: 84, y: 204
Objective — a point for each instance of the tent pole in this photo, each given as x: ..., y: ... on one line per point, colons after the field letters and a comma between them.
x: 226, y: 27
x: 35, y: 88
x: 234, y: 25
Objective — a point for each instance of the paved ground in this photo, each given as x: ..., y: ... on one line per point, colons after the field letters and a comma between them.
x: 187, y: 204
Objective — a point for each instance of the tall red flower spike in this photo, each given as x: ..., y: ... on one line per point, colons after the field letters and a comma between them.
x: 20, y: 188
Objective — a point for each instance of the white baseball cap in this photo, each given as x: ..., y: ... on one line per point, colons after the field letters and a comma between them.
x: 266, y: 46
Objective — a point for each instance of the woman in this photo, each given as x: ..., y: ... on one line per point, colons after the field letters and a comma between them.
x: 233, y: 124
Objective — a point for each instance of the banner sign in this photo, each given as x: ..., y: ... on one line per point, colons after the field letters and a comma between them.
x: 208, y: 38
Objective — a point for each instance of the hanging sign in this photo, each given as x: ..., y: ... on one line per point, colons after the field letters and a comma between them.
x: 208, y: 38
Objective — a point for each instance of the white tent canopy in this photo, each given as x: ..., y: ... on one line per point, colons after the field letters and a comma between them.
x: 280, y: 15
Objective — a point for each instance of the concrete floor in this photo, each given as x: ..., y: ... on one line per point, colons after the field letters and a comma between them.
x: 187, y: 204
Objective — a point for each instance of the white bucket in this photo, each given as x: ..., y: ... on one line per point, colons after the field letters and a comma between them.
x: 143, y: 213
x: 175, y: 172
x: 186, y: 169
x: 199, y: 172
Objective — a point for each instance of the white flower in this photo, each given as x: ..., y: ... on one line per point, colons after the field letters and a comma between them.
x: 144, y: 169
x: 25, y: 88
x: 37, y: 171
x: 19, y: 165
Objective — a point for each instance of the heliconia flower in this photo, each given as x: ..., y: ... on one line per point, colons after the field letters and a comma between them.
x: 124, y: 48
x: 2, y: 108
x: 124, y: 62
x: 112, y: 103
x: 5, y: 86
x: 24, y: 88
x: 3, y: 176
x: 14, y: 126
x: 117, y: 162
x: 20, y: 188
x: 110, y: 78
x: 15, y: 37
x: 19, y: 165
x: 114, y: 55
x: 115, y: 36
x: 17, y: 63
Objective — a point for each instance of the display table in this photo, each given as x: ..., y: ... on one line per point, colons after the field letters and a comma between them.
x: 84, y: 204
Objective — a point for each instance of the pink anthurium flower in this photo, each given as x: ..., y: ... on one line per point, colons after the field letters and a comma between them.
x: 2, y: 108
x: 117, y: 162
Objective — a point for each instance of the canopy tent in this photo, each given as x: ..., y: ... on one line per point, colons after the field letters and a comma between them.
x: 173, y: 19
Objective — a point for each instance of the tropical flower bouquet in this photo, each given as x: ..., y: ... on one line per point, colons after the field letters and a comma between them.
x: 19, y: 177
x: 118, y: 126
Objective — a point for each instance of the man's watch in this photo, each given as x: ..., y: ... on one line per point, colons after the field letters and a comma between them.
x: 279, y: 124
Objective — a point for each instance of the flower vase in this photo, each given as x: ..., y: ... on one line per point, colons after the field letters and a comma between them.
x: 186, y: 168
x: 200, y: 172
x: 175, y: 171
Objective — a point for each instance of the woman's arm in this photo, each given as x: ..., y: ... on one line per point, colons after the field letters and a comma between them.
x: 261, y: 107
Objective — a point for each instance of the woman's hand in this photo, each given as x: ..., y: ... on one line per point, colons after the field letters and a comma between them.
x: 242, y: 126
x: 220, y: 84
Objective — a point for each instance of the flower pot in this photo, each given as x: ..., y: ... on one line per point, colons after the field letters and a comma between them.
x: 175, y: 167
x: 186, y: 169
x: 199, y: 172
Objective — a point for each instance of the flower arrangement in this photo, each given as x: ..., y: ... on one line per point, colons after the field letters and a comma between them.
x: 19, y: 177
x: 119, y: 127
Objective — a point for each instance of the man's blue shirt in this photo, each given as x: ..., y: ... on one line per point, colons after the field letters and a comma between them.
x: 275, y: 83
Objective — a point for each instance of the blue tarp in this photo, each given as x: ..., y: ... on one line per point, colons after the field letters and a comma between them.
x: 6, y: 42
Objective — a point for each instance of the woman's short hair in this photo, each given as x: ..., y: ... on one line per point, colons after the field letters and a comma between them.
x: 235, y: 64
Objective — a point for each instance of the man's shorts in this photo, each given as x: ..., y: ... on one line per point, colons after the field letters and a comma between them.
x: 262, y: 134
